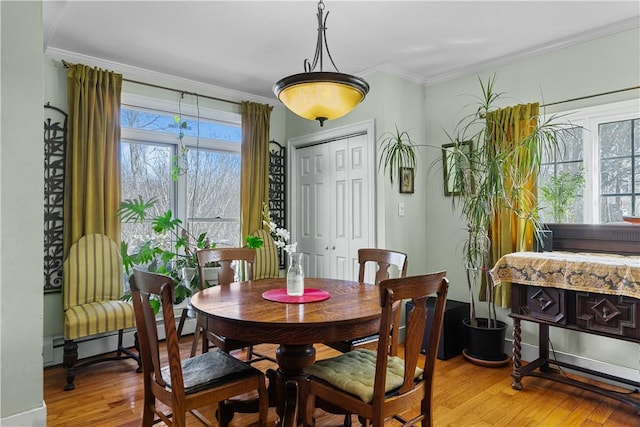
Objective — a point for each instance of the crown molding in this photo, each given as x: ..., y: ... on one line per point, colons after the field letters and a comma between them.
x: 617, y: 27
x: 166, y: 80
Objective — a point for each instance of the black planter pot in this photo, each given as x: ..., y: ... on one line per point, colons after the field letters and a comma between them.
x: 485, y: 346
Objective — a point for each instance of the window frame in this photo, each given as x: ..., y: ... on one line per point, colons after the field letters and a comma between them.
x: 589, y: 119
x: 178, y: 188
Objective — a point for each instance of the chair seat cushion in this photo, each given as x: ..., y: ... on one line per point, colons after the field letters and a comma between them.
x: 355, y: 371
x: 98, y: 317
x: 209, y: 370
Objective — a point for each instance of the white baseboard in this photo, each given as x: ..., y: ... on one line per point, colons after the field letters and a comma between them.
x: 53, y: 350
x: 529, y: 352
x: 36, y: 417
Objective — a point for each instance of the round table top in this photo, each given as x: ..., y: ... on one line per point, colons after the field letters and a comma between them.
x: 239, y: 311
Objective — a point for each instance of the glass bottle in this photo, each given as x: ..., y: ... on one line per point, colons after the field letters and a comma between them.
x: 295, y: 275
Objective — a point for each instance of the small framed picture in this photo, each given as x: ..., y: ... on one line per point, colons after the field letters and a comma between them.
x: 406, y: 180
x: 451, y: 162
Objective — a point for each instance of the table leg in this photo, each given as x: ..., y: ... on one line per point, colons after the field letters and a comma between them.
x: 543, y: 346
x: 292, y: 359
x: 516, y: 374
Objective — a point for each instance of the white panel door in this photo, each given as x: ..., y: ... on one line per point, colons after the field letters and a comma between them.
x: 334, y: 206
x: 338, y: 249
x: 360, y: 203
x: 312, y: 222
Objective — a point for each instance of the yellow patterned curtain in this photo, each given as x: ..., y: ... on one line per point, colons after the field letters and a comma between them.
x: 92, y: 162
x: 254, y: 180
x: 511, y: 230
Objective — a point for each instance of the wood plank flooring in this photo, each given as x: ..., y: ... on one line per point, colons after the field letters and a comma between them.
x: 110, y: 395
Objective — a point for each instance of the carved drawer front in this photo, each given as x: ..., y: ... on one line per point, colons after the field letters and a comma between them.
x: 610, y: 314
x: 545, y: 304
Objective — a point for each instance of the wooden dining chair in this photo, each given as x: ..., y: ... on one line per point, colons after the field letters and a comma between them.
x: 185, y: 385
x: 224, y: 257
x: 382, y: 260
x: 398, y: 385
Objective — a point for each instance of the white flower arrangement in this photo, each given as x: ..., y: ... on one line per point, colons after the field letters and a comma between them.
x: 280, y: 236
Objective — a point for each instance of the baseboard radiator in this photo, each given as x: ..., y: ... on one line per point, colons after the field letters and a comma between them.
x: 52, y: 347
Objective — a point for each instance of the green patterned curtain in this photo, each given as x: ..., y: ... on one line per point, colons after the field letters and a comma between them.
x: 511, y: 229
x: 254, y: 180
x: 92, y: 161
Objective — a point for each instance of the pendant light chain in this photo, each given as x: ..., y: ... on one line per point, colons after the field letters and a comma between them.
x: 321, y: 40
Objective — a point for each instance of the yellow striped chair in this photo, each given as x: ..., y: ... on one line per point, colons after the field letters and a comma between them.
x: 266, y: 265
x: 93, y: 284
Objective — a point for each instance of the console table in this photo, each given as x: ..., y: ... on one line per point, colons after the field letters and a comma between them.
x: 587, y: 292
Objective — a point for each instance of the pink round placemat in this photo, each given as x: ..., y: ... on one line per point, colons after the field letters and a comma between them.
x: 310, y: 295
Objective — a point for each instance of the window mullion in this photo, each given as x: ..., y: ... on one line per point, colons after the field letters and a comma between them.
x: 592, y: 173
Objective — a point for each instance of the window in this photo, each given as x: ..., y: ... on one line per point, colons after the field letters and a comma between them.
x: 603, y: 147
x: 205, y: 195
x: 563, y: 171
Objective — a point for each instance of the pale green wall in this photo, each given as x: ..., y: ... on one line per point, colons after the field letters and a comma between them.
x: 601, y: 65
x: 21, y: 212
x: 55, y: 93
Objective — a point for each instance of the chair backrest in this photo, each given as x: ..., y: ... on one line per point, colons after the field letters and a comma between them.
x: 267, y: 265
x: 392, y: 294
x: 92, y: 272
x: 384, y: 259
x: 224, y: 257
x: 143, y: 285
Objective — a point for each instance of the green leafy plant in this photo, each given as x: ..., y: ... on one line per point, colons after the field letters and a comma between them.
x: 168, y: 251
x: 489, y: 180
x: 398, y: 151
x: 179, y: 162
x: 561, y: 191
x: 172, y: 247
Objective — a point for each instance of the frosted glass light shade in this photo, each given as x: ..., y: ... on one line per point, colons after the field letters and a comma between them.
x: 321, y: 95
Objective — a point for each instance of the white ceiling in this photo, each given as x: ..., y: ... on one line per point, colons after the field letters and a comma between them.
x: 248, y: 45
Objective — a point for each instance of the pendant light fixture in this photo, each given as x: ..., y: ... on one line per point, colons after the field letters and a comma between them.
x: 321, y: 95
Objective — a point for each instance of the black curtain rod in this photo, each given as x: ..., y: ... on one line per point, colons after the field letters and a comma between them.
x: 591, y: 96
x: 184, y: 92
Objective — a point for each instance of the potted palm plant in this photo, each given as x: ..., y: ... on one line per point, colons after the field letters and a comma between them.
x: 486, y: 180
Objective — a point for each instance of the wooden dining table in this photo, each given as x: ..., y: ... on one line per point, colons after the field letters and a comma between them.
x: 239, y: 311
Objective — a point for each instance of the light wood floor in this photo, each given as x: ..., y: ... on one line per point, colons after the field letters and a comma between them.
x: 110, y: 395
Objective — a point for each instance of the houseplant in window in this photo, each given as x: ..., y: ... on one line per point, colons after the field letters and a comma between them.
x: 494, y: 180
x: 171, y: 250
x: 560, y: 193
